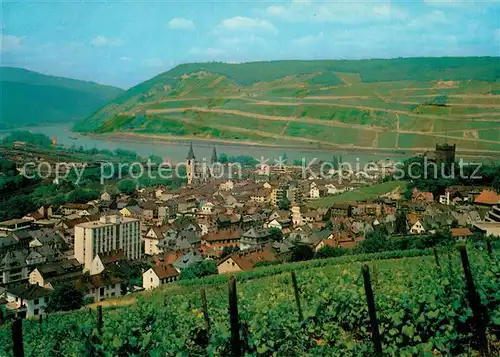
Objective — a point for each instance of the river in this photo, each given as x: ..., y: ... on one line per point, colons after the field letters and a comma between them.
x: 177, y: 150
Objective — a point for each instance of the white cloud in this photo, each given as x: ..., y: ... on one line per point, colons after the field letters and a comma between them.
x: 245, y: 39
x: 180, y: 23
x: 435, y: 17
x: 245, y: 23
x: 125, y: 59
x: 308, y: 40
x: 339, y: 12
x: 101, y: 41
x: 209, y: 52
x: 11, y: 43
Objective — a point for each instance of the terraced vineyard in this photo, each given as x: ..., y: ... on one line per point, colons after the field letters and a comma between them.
x: 405, y: 104
x: 422, y: 310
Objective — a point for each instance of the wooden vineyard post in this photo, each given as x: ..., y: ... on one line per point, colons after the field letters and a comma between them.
x: 99, y: 319
x: 40, y: 320
x: 17, y: 337
x: 478, y: 310
x: 205, y: 309
x: 297, y: 296
x: 371, y: 309
x: 436, y: 257
x: 233, y: 318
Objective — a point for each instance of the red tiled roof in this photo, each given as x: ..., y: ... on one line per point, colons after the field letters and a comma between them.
x: 165, y: 271
x: 488, y: 197
x: 461, y: 232
x: 223, y: 234
x: 247, y: 259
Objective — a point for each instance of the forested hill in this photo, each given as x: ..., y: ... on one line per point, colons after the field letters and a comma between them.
x: 404, y: 103
x: 31, y: 98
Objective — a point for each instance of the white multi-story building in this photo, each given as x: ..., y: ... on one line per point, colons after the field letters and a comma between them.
x: 110, y: 233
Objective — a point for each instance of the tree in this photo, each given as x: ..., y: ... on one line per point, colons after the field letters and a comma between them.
x: 302, y: 252
x: 65, y: 297
x: 329, y: 225
x: 126, y: 186
x: 330, y: 252
x: 284, y: 204
x: 376, y: 241
x: 401, y: 224
x: 199, y: 270
x: 223, y: 159
x: 155, y: 159
x: 275, y: 234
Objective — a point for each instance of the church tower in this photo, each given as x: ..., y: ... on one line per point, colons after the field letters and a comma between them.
x: 190, y: 165
x: 214, y: 158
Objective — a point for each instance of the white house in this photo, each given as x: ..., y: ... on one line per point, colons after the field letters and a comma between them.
x: 417, y: 228
x: 275, y: 224
x: 314, y: 191
x: 27, y: 300
x: 159, y: 275
x: 207, y: 207
x: 227, y: 186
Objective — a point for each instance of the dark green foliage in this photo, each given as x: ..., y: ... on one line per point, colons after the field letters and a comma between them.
x: 65, y: 297
x: 40, y: 140
x: 284, y: 204
x: 127, y: 186
x: 81, y: 195
x: 376, y: 241
x: 301, y: 252
x: 330, y: 252
x: 30, y: 98
x: 275, y: 234
x: 199, y: 270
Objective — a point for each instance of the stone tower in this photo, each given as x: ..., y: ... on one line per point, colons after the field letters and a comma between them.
x: 190, y: 165
x: 445, y: 156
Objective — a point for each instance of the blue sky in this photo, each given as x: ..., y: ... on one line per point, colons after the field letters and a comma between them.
x: 125, y: 42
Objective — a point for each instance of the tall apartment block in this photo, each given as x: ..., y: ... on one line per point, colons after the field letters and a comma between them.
x: 108, y: 234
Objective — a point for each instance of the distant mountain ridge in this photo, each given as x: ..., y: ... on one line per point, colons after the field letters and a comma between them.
x: 31, y: 98
x: 390, y: 104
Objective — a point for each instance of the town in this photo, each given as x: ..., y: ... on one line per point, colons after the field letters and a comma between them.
x: 127, y: 241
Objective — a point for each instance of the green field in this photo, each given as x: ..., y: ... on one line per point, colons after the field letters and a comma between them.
x: 361, y: 194
x: 412, y: 103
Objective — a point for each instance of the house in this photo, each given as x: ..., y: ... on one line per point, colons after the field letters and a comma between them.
x: 153, y: 237
x: 100, y: 286
x: 341, y: 210
x: 131, y: 211
x: 149, y: 210
x: 81, y: 209
x: 241, y: 261
x: 487, y: 198
x: 418, y: 227
x: 254, y: 237
x: 48, y: 275
x: 103, y: 260
x: 226, y: 186
x: 222, y: 239
x: 461, y: 233
x: 105, y: 196
x: 27, y: 300
x: 297, y: 219
x: 158, y: 275
x: 422, y: 197
x: 186, y: 260
x: 487, y: 228
x: 325, y: 243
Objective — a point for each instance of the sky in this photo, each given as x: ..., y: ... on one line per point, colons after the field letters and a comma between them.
x: 125, y: 42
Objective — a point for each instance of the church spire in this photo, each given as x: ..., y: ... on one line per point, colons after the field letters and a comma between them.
x: 191, y: 153
x: 214, y: 158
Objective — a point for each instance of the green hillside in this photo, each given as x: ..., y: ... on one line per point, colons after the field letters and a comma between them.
x: 394, y: 104
x: 31, y: 98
